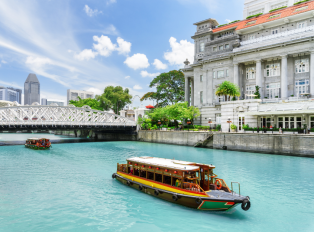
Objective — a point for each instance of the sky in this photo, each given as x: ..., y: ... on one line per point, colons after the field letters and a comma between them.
x: 90, y: 44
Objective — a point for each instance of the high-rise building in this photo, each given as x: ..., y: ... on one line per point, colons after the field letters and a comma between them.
x: 10, y: 94
x: 53, y: 101
x: 74, y: 94
x: 31, y: 90
x: 44, y: 101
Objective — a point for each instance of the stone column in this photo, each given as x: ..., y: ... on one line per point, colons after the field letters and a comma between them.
x: 236, y: 74
x: 187, y: 90
x: 312, y: 74
x: 259, y: 81
x: 209, y: 86
x: 284, y: 77
x: 192, y: 91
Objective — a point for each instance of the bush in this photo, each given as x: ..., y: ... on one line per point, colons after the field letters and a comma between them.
x: 252, y: 16
x: 228, y: 23
x: 233, y: 127
x: 218, y: 127
x: 279, y: 8
x: 300, y: 2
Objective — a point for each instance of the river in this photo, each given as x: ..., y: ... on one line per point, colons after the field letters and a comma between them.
x: 69, y: 188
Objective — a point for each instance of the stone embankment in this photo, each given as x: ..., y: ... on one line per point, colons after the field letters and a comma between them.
x: 183, y: 138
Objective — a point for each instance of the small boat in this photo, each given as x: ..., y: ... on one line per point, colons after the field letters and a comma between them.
x: 38, y: 144
x: 186, y: 183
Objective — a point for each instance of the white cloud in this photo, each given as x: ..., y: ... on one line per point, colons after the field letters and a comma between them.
x: 137, y: 61
x: 37, y: 61
x: 228, y: 20
x: 124, y: 46
x: 146, y: 74
x: 105, y: 47
x: 96, y: 91
x: 86, y: 54
x: 3, y: 62
x: 159, y: 65
x: 127, y: 77
x: 179, y: 52
x: 90, y: 12
x: 137, y: 87
x: 111, y: 1
x: 211, y: 5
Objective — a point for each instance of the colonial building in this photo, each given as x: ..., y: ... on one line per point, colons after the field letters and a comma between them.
x: 271, y: 48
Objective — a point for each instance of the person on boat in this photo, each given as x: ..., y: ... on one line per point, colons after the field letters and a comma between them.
x: 178, y: 183
x: 43, y: 143
x: 131, y: 171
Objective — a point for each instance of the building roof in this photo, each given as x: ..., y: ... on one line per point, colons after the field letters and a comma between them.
x: 212, y: 21
x: 32, y: 78
x: 280, y: 14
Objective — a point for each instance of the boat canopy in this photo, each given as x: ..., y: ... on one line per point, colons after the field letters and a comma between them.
x: 167, y: 163
x: 33, y: 139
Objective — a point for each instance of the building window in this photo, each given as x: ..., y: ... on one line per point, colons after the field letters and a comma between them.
x: 214, y: 74
x: 301, y: 24
x: 312, y: 121
x: 250, y: 89
x: 282, y: 4
x: 250, y: 73
x: 215, y: 49
x: 273, y: 70
x: 273, y: 90
x: 274, y: 31
x: 218, y: 119
x: 221, y: 74
x: 265, y: 122
x: 251, y: 37
x: 227, y: 46
x: 221, y: 47
x: 302, y: 66
x: 227, y: 72
x: 201, y: 97
x: 202, y: 47
x: 201, y: 78
x: 301, y: 87
x: 256, y: 12
x: 241, y: 122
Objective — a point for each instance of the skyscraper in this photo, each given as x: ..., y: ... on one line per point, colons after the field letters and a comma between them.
x: 74, y: 94
x: 10, y: 94
x: 31, y: 90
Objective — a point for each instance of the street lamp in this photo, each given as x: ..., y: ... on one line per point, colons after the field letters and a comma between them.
x: 229, y: 121
x: 210, y: 122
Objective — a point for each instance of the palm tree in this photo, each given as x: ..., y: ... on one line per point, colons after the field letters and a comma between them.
x: 228, y: 88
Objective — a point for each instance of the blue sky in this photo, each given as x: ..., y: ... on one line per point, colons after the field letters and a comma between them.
x: 90, y: 44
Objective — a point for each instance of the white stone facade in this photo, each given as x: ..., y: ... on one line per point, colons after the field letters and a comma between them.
x: 74, y: 94
x: 275, y: 54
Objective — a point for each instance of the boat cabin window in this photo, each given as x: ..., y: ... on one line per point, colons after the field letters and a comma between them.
x: 150, y: 175
x: 143, y: 174
x: 167, y: 180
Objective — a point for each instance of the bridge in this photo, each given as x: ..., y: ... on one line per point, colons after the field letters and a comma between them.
x: 54, y: 117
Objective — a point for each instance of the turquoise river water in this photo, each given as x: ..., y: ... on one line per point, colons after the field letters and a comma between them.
x: 69, y: 188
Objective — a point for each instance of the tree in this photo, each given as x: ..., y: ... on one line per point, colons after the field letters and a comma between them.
x: 169, y: 88
x: 257, y: 93
x: 114, y: 98
x: 93, y: 103
x: 228, y: 88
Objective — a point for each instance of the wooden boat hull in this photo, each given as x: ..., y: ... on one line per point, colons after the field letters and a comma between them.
x: 34, y: 147
x: 176, y: 195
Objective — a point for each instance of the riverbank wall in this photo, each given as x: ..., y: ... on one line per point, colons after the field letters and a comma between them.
x: 283, y: 144
x: 182, y: 138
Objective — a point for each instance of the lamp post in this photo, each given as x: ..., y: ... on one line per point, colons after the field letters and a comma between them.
x: 189, y: 123
x: 210, y: 122
x: 229, y: 121
x: 159, y: 123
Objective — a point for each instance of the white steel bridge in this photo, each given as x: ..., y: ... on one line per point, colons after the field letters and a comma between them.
x: 60, y: 116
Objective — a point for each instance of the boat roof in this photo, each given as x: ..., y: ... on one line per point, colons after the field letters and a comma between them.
x: 33, y: 139
x: 168, y: 163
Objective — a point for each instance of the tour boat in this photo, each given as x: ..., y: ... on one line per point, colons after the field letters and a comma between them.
x: 38, y: 144
x: 186, y: 183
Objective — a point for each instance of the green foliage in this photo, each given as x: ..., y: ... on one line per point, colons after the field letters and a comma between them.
x: 245, y: 127
x: 115, y: 98
x: 279, y: 8
x: 257, y: 93
x: 252, y: 16
x: 228, y: 23
x: 170, y: 88
x: 228, y: 88
x: 233, y: 127
x: 93, y: 103
x: 218, y: 127
x: 300, y: 2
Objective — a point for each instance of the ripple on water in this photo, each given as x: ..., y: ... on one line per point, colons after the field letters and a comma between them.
x: 70, y: 188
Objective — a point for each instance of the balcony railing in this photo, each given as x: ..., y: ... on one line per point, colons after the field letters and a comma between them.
x: 279, y: 35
